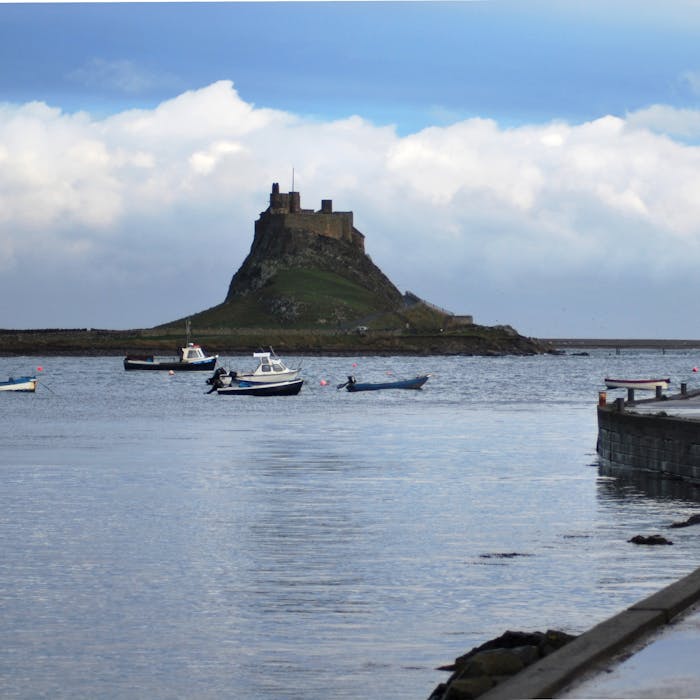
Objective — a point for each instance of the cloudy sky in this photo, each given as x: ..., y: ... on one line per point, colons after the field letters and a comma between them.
x: 531, y: 163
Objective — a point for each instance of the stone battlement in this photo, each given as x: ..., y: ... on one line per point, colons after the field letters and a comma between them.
x: 285, y: 212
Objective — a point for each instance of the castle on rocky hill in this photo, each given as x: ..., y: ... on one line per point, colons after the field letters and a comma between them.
x: 285, y: 213
x: 289, y: 237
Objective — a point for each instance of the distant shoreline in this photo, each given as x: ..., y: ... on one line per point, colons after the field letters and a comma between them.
x: 628, y: 343
x: 474, y: 340
x: 484, y: 341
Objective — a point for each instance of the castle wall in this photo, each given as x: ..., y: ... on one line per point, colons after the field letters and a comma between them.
x: 285, y: 212
x: 358, y: 239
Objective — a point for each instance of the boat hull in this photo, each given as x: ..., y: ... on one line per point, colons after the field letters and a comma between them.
x: 415, y: 383
x: 241, y: 388
x: 22, y: 384
x: 642, y: 384
x: 199, y: 366
x: 260, y: 378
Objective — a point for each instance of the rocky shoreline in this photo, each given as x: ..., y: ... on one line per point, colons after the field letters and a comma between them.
x: 480, y: 340
x: 485, y: 666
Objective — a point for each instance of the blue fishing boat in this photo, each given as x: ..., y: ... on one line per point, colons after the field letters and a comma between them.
x: 19, y: 384
x: 191, y: 358
x: 415, y: 383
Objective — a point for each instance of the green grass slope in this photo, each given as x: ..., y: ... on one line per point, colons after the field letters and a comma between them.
x: 295, y: 299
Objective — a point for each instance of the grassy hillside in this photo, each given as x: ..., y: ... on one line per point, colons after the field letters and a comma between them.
x: 300, y: 310
x: 296, y: 299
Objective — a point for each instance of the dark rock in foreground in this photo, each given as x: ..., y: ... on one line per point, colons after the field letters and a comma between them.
x: 692, y: 520
x: 494, y: 661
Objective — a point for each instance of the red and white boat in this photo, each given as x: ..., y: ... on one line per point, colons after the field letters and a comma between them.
x: 644, y: 384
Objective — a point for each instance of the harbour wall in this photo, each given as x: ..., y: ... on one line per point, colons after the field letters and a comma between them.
x: 658, y: 443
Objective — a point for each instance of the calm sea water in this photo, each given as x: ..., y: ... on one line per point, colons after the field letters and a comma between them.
x: 158, y: 542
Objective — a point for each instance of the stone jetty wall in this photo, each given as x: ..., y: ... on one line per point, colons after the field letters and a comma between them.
x: 665, y: 445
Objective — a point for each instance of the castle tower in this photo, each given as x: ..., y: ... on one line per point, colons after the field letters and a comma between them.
x: 285, y: 214
x: 279, y: 203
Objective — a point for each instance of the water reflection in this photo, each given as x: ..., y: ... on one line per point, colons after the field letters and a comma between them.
x: 622, y: 484
x: 285, y: 547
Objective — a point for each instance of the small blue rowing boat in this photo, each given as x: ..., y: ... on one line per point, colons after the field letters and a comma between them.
x: 415, y: 383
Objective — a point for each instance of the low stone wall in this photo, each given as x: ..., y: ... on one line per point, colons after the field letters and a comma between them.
x: 665, y: 445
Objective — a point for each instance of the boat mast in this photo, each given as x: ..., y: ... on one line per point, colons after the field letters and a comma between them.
x: 187, y: 331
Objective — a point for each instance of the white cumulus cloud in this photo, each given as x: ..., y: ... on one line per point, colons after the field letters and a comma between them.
x: 664, y: 119
x: 136, y: 203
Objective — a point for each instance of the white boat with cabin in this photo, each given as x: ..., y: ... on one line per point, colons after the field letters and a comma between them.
x: 270, y: 369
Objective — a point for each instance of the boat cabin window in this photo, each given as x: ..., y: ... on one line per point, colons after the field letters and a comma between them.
x: 277, y: 367
x: 193, y: 353
x: 266, y: 368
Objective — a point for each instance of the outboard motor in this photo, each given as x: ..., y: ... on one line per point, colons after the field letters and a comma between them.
x: 214, y: 379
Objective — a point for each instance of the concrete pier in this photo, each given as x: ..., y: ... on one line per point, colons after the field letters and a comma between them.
x: 660, y: 435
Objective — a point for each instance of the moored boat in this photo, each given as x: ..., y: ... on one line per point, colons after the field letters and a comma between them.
x: 287, y: 387
x: 192, y: 358
x: 642, y: 384
x: 25, y: 384
x: 414, y: 383
x: 270, y: 369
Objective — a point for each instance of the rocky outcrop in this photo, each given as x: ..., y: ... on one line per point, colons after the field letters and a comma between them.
x: 692, y: 520
x: 649, y: 539
x: 494, y: 661
x: 308, y: 278
x: 288, y: 237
